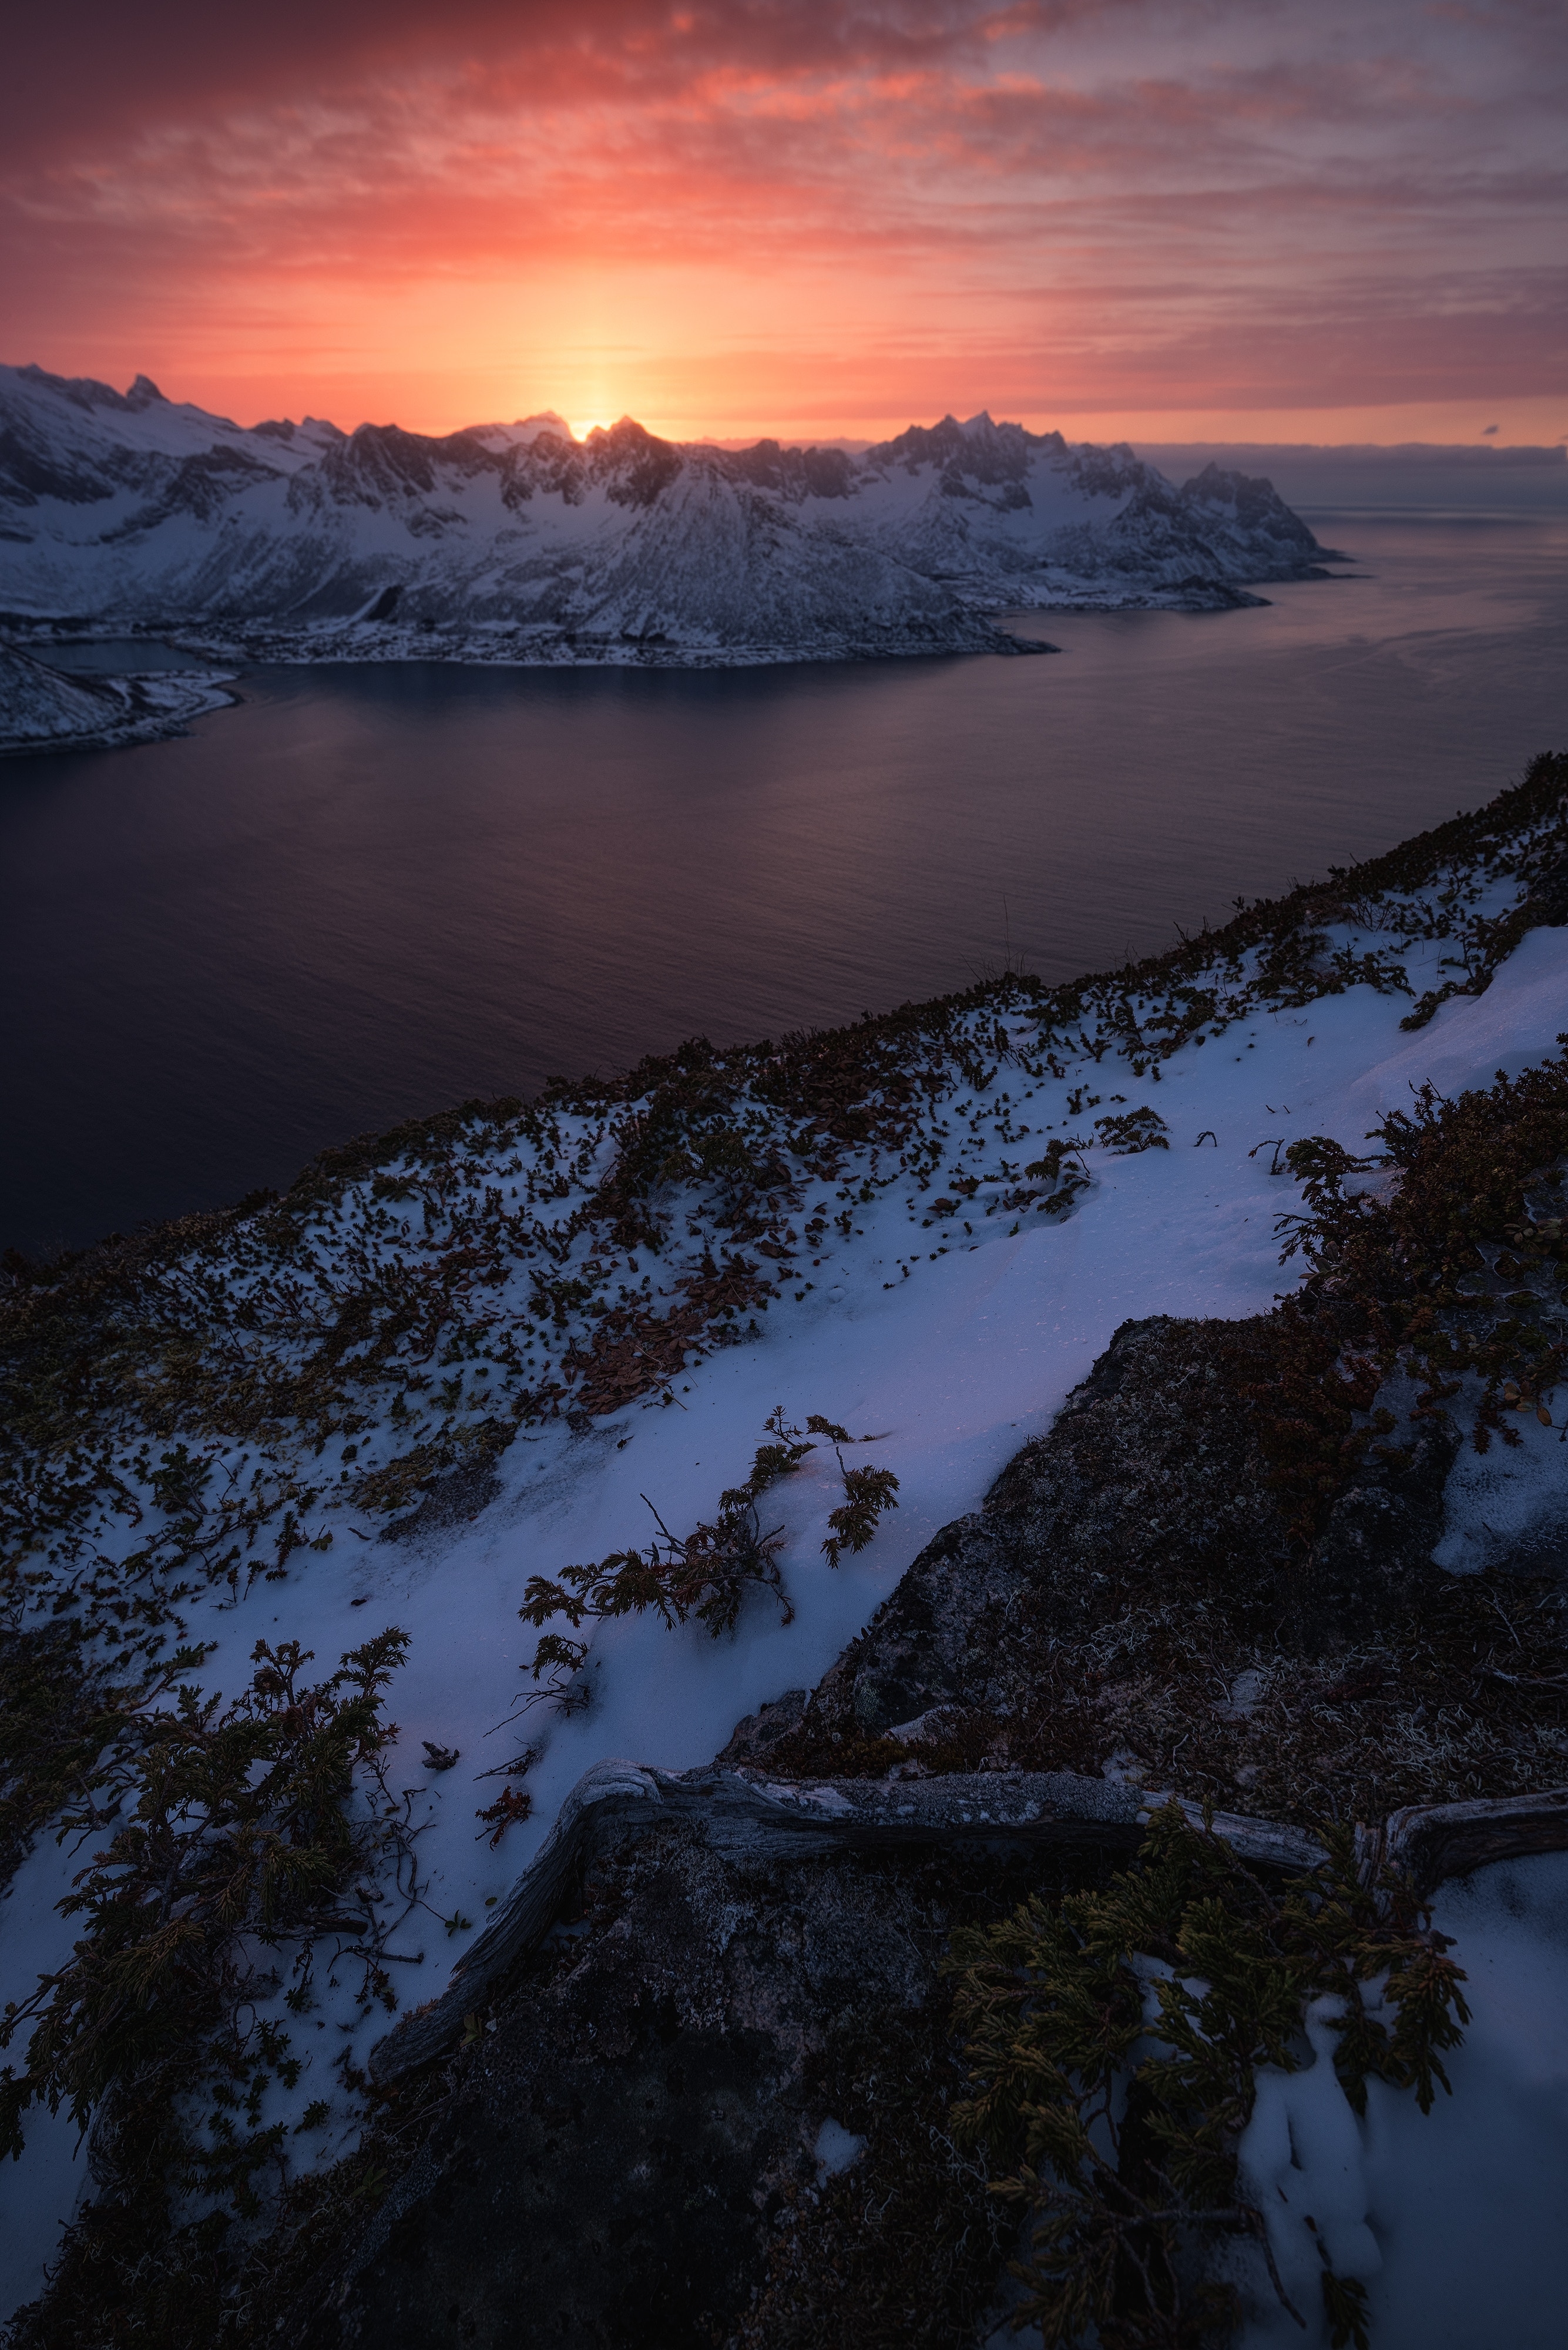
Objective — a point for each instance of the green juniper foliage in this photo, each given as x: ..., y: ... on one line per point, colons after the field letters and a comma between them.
x: 1114, y: 2040
x: 62, y: 1712
x: 707, y: 1572
x: 1452, y: 1270
x: 237, y: 1838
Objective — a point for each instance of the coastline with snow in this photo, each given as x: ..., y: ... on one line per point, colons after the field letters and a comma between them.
x: 43, y: 709
x: 518, y: 544
x: 455, y: 1357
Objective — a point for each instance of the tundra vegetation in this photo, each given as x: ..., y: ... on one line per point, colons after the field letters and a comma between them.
x: 203, y: 1407
x: 1114, y: 2039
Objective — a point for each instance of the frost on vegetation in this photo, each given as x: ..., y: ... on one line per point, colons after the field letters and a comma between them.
x: 203, y: 1405
x: 1114, y: 2045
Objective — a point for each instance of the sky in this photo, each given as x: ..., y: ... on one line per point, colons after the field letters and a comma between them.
x: 1325, y: 220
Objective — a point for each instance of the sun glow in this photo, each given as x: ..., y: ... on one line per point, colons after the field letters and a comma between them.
x: 764, y: 226
x: 581, y: 429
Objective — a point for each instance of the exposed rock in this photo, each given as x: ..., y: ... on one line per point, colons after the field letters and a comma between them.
x: 640, y: 2144
x: 1129, y: 1601
x: 762, y: 1823
x: 630, y: 2123
x: 1375, y: 1551
x: 753, y: 1736
x: 703, y: 1979
x: 1152, y: 1472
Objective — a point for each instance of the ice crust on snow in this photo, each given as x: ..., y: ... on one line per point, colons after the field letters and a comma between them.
x: 517, y: 542
x: 954, y: 1348
x: 836, y: 2149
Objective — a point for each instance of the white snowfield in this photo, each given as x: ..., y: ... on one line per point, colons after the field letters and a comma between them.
x: 518, y: 543
x: 951, y: 1347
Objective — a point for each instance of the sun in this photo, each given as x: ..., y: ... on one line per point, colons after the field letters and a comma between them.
x: 581, y: 429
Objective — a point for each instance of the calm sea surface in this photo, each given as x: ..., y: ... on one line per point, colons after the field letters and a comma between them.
x: 371, y: 892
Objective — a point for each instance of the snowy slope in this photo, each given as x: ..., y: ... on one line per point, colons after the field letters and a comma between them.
x: 38, y: 705
x: 43, y: 710
x: 517, y: 542
x: 950, y: 1332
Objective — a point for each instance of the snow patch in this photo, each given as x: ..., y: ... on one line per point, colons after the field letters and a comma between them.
x: 836, y: 2150
x: 1510, y: 1500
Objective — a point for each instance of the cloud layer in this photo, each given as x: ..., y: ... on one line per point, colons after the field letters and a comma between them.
x: 731, y: 215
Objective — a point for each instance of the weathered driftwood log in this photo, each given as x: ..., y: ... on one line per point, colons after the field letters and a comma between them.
x: 1433, y: 1841
x: 775, y: 1820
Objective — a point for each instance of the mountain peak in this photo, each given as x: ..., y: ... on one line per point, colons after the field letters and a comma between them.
x: 518, y: 542
x: 547, y: 419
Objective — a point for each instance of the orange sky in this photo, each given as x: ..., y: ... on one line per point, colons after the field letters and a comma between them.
x: 1134, y: 218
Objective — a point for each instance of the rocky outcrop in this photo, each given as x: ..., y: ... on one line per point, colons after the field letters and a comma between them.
x: 766, y: 1824
x: 706, y: 2005
x: 677, y: 2072
x: 1130, y: 1600
x: 1151, y: 1490
x: 711, y: 1987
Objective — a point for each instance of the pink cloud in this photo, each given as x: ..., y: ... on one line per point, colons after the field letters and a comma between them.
x: 1177, y: 201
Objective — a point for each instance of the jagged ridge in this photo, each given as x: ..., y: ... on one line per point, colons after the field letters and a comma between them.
x: 518, y: 542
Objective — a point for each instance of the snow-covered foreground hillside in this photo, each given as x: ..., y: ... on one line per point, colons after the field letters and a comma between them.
x: 518, y: 543
x: 548, y: 1322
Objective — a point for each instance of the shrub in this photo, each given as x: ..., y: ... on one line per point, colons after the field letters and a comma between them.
x: 706, y: 1574
x: 1113, y: 2041
x: 241, y: 1844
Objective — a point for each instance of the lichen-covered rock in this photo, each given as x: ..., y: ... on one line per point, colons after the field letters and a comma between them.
x: 1131, y: 1598
x: 630, y: 2121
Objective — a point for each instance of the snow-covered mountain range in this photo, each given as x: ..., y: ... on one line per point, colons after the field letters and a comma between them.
x: 517, y: 542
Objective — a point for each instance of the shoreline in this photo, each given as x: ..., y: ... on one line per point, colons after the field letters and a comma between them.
x: 158, y: 705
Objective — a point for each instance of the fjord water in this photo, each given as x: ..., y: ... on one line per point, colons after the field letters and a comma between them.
x: 371, y: 892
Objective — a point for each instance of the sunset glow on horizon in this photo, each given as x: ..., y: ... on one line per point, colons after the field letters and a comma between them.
x: 1127, y: 219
